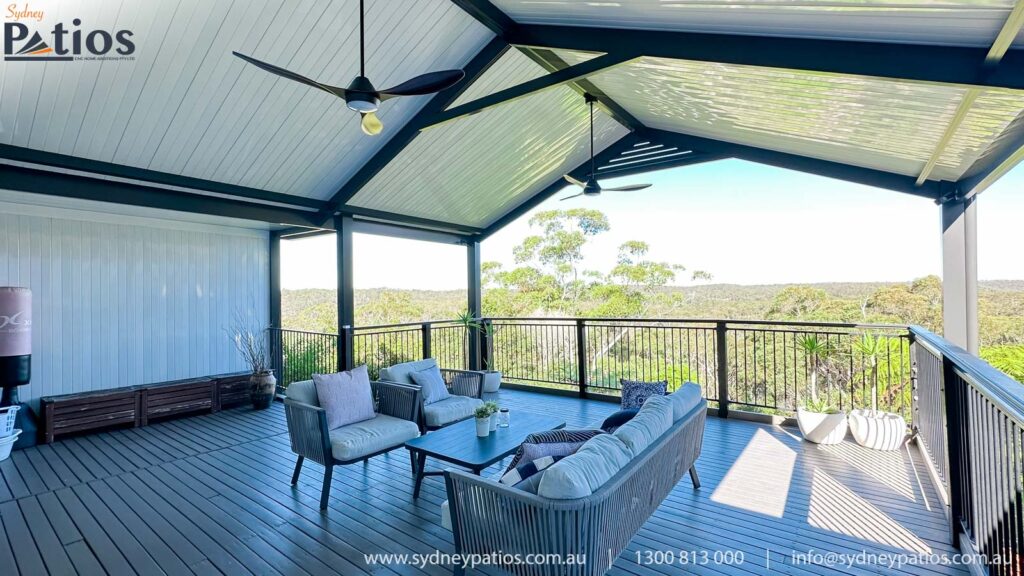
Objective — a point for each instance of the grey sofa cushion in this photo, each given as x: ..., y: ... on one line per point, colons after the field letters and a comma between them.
x: 684, y: 399
x: 653, y: 419
x: 345, y: 396
x: 303, y: 391
x: 432, y: 384
x: 370, y: 436
x: 579, y: 475
x: 401, y: 373
x: 451, y: 409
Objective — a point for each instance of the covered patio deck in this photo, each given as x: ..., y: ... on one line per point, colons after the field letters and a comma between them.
x: 210, y: 494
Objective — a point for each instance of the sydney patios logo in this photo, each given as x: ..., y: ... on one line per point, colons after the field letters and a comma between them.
x: 23, y: 41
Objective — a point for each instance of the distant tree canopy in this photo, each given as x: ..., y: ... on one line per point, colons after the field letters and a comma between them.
x: 548, y: 278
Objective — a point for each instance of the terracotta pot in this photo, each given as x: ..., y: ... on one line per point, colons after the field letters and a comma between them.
x: 821, y: 427
x: 264, y: 387
x: 878, y: 430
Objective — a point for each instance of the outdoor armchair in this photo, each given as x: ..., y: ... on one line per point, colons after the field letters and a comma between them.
x: 397, y: 414
x: 465, y: 386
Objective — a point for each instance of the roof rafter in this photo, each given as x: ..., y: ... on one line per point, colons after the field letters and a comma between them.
x: 909, y: 62
x: 557, y: 78
x: 63, y: 161
x: 856, y: 174
x: 477, y: 66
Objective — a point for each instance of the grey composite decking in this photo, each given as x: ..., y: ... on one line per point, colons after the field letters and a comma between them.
x: 210, y: 494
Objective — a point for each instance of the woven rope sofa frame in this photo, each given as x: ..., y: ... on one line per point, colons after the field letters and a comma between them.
x: 310, y: 438
x: 490, y: 517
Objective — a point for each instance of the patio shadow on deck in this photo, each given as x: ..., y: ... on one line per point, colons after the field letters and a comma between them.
x: 210, y: 494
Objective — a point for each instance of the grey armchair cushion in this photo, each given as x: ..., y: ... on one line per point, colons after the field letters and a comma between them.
x: 303, y: 391
x: 371, y: 436
x: 345, y: 396
x: 401, y: 373
x: 451, y: 409
x: 432, y: 384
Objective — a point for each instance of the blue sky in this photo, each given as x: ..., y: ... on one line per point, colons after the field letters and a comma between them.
x: 744, y: 223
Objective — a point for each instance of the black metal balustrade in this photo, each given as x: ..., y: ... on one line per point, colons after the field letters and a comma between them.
x: 969, y: 419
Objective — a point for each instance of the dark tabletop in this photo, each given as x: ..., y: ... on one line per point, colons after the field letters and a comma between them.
x: 459, y: 443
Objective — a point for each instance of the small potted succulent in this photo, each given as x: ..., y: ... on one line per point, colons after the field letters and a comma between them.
x: 493, y: 407
x: 483, y: 420
x: 251, y: 343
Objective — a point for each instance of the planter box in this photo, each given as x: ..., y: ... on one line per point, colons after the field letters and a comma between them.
x: 878, y: 430
x: 822, y: 428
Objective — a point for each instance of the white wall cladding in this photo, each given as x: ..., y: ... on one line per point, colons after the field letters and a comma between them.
x: 120, y: 301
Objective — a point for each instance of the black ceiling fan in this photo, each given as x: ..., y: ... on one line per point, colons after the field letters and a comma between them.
x: 360, y: 95
x: 591, y: 187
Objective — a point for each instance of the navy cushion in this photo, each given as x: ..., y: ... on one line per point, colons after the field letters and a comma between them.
x: 617, y: 419
x: 551, y: 443
x: 525, y: 471
x: 635, y: 392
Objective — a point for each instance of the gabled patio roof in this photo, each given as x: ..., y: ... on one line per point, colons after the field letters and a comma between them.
x: 922, y: 98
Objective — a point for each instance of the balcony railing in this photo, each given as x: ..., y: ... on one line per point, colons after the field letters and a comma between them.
x: 966, y: 417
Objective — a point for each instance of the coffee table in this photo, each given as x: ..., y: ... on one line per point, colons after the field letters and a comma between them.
x: 459, y: 444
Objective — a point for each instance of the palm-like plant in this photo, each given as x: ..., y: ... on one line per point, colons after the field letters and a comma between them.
x: 816, y: 350
x: 871, y: 348
x: 469, y: 322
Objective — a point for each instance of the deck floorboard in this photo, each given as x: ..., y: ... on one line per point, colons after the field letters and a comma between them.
x: 210, y: 494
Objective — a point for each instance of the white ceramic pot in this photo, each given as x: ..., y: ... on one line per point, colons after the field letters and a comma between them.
x: 494, y: 422
x: 821, y: 428
x: 483, y: 426
x: 7, y: 442
x: 492, y: 380
x: 878, y: 430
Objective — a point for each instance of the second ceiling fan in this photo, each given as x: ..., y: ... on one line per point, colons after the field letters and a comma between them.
x: 361, y: 96
x: 591, y: 186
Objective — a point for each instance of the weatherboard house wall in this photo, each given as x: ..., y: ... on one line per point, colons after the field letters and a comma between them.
x: 126, y: 300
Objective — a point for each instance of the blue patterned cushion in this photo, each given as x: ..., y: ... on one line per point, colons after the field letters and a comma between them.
x: 635, y: 393
x: 432, y: 384
x: 551, y: 443
x: 528, y: 469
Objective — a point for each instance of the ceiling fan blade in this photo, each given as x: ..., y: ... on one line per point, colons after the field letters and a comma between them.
x: 424, y: 84
x: 572, y: 180
x: 573, y: 196
x: 629, y: 188
x: 339, y: 92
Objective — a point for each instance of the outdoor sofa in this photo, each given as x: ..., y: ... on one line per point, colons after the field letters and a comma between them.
x: 486, y: 516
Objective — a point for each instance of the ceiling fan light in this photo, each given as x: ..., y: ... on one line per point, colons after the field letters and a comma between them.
x: 362, y: 103
x: 371, y: 125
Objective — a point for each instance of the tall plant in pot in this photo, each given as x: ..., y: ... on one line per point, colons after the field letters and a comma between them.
x: 492, y: 377
x: 876, y: 428
x: 469, y: 323
x: 819, y: 421
x: 251, y: 342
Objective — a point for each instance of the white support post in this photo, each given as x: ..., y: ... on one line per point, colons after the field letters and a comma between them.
x: 960, y: 273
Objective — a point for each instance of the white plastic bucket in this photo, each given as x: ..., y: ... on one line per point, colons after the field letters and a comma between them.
x: 7, y: 442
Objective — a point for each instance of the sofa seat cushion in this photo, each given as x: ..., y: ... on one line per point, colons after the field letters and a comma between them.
x: 684, y: 400
x: 303, y: 391
x: 371, y: 436
x: 581, y: 474
x: 653, y: 419
x: 402, y: 373
x: 451, y: 409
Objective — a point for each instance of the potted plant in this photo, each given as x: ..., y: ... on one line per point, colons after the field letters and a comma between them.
x: 874, y: 428
x: 819, y: 421
x: 492, y: 378
x: 493, y: 407
x: 483, y: 420
x: 251, y: 343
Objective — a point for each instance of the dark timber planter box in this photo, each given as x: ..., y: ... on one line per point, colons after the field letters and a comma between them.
x: 233, y: 389
x: 177, y: 397
x: 89, y: 411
